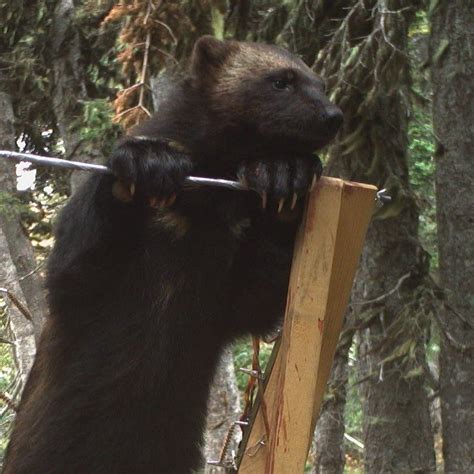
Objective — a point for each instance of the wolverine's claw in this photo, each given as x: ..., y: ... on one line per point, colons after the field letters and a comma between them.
x: 280, y: 204
x: 121, y: 191
x: 293, y: 201
x: 243, y: 181
x: 264, y: 200
x: 153, y: 201
x: 162, y: 203
x: 170, y: 201
x: 313, y: 183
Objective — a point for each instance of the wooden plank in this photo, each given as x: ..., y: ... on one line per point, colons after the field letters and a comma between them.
x: 327, y: 250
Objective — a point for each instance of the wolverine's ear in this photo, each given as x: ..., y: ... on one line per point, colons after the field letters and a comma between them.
x: 208, y: 54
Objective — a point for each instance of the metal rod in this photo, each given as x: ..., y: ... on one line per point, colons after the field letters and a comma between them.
x: 49, y: 161
x: 382, y: 197
x: 78, y: 165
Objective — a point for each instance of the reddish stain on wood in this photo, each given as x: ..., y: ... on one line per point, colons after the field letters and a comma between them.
x: 320, y: 325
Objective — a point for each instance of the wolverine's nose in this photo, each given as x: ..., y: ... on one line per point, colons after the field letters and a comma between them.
x: 332, y: 119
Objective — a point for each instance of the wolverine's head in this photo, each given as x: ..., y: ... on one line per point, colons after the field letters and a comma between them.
x: 266, y: 89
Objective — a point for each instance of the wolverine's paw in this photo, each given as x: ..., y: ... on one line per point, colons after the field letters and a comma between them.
x: 282, y: 182
x: 148, y: 170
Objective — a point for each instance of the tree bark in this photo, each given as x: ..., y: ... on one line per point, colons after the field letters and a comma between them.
x: 69, y: 90
x: 17, y: 259
x: 397, y: 426
x: 329, y: 433
x: 21, y: 329
x: 19, y: 246
x: 365, y: 64
x: 452, y: 64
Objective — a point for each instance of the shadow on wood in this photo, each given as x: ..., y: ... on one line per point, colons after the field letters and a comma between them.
x: 327, y: 251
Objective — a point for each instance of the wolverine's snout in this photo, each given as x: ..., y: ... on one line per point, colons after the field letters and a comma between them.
x: 332, y: 118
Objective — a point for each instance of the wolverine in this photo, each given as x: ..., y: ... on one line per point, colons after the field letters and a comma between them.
x: 150, y: 278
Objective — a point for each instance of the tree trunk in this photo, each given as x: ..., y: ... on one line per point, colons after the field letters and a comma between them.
x: 69, y: 89
x: 397, y: 427
x: 365, y: 64
x: 329, y: 434
x: 19, y: 246
x: 452, y: 65
x: 17, y: 258
x: 21, y: 329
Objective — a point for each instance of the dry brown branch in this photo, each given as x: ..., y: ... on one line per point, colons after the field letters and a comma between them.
x: 21, y: 307
x: 146, y: 24
x: 8, y: 402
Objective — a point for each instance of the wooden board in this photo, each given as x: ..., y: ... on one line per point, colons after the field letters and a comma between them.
x: 327, y: 251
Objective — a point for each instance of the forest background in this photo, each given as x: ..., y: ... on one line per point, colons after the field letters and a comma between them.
x: 75, y: 73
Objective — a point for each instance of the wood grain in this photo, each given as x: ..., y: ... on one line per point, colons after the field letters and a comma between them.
x: 327, y: 251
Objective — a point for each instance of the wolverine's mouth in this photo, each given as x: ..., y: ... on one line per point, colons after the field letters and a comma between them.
x: 324, y: 139
x: 313, y: 145
x: 319, y: 144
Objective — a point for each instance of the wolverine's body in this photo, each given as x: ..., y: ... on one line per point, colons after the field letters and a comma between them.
x: 149, y: 280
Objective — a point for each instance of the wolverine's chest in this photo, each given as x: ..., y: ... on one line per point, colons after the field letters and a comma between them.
x: 207, y: 214
x: 178, y: 226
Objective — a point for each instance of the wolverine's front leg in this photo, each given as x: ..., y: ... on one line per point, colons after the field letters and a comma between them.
x: 259, y: 278
x: 260, y: 274
x: 103, y: 224
x: 149, y: 170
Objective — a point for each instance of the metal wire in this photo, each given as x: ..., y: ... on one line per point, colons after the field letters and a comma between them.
x: 77, y: 165
x: 382, y: 198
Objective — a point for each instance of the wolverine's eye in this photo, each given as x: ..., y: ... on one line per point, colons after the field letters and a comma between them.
x: 280, y: 84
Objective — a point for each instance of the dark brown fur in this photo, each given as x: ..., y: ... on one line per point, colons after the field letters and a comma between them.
x: 143, y: 299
